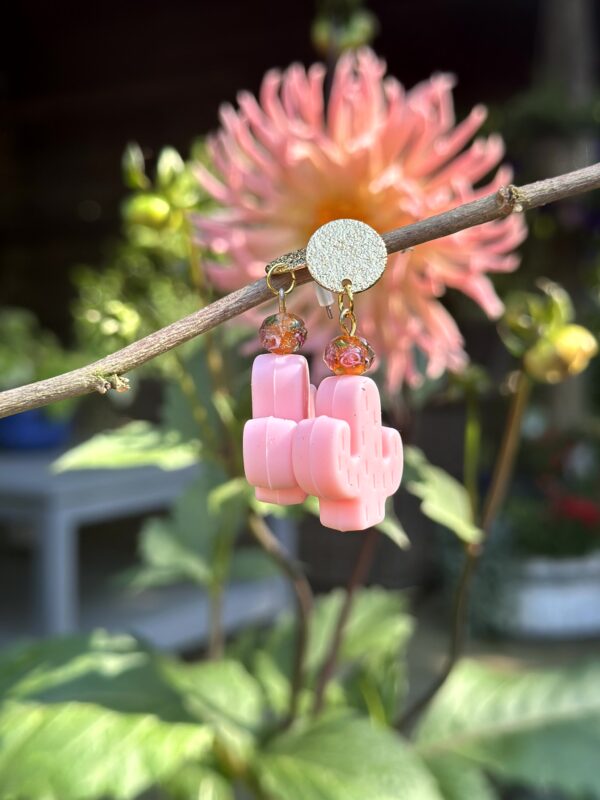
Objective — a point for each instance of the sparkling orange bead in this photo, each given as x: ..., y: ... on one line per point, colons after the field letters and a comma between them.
x: 348, y: 355
x: 282, y: 333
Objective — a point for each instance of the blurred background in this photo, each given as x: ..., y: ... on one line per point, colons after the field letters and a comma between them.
x: 79, y: 87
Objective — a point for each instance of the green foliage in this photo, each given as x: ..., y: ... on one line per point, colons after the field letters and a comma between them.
x: 195, y: 542
x: 370, y: 670
x: 137, y: 444
x: 29, y: 353
x: 538, y: 727
x: 198, y: 783
x: 460, y: 780
x: 91, y: 718
x: 444, y: 499
x: 343, y: 758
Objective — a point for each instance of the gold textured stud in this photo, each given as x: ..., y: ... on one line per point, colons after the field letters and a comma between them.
x: 346, y: 251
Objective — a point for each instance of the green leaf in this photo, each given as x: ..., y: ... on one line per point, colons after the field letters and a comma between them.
x: 392, y: 527
x: 137, y: 444
x: 369, y: 665
x: 459, y: 779
x: 377, y: 624
x: 177, y: 413
x: 167, y: 558
x: 228, y: 502
x: 91, y: 717
x: 444, y: 499
x: 343, y: 758
x: 133, y: 167
x: 189, y: 545
x: 226, y: 697
x: 252, y: 564
x: 199, y: 783
x: 540, y: 727
x: 77, y: 751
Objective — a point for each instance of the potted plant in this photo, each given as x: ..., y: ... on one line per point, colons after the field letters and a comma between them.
x: 30, y: 353
x: 547, y: 555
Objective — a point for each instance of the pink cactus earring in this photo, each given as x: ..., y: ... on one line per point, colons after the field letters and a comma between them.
x: 329, y: 443
x: 281, y: 397
x: 344, y: 455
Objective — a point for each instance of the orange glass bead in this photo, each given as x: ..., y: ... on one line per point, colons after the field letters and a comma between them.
x: 282, y: 333
x: 348, y: 355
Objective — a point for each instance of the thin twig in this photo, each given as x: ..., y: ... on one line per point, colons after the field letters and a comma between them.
x: 455, y: 648
x: 304, y: 601
x: 508, y: 452
x: 216, y: 636
x: 357, y: 578
x: 499, y: 485
x: 105, y: 374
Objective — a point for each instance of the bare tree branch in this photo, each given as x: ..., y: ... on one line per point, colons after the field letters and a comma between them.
x: 107, y: 373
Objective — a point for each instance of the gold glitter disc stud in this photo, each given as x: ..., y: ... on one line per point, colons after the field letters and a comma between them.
x: 346, y: 250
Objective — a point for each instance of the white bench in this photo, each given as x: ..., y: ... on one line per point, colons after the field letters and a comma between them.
x: 54, y: 506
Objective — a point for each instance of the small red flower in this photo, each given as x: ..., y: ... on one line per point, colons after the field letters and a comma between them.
x: 578, y: 509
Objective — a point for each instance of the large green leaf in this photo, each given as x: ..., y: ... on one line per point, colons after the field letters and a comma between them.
x: 74, y: 751
x: 444, y: 499
x: 137, y: 444
x: 343, y: 758
x: 224, y: 695
x: 458, y: 779
x: 541, y: 727
x: 90, y: 718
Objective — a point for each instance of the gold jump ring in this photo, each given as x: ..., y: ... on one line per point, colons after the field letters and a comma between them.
x: 274, y: 270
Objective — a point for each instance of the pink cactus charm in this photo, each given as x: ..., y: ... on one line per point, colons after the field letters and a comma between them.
x: 281, y: 397
x: 343, y: 455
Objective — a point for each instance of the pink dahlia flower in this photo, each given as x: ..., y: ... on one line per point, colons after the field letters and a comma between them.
x: 284, y: 165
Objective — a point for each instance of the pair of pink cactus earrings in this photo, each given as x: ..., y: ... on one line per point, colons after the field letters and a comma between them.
x: 327, y: 442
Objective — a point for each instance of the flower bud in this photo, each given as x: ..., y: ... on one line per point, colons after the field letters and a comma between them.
x: 146, y: 209
x: 565, y: 353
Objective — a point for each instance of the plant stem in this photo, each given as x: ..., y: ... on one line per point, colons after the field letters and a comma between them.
x: 216, y: 638
x: 456, y: 644
x: 359, y: 574
x: 505, y: 462
x: 502, y: 474
x: 472, y: 447
x: 304, y: 600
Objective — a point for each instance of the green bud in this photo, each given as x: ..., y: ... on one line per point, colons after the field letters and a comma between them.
x: 146, y: 209
x: 133, y: 166
x: 531, y: 316
x: 169, y: 167
x: 564, y: 353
